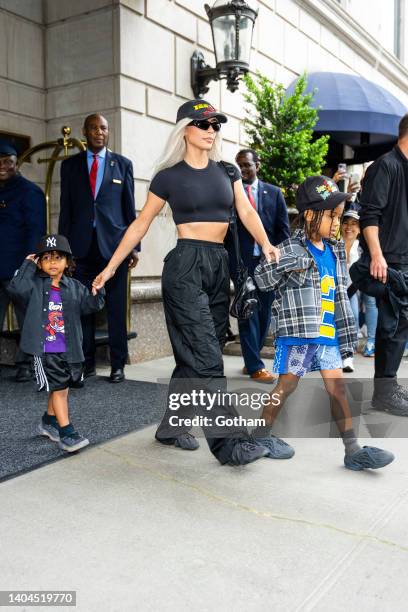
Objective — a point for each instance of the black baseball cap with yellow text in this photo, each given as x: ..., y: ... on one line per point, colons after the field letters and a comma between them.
x: 199, y: 110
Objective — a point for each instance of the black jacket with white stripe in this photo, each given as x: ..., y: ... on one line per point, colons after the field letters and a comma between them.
x: 30, y: 287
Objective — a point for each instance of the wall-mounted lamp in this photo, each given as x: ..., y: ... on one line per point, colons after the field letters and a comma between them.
x: 232, y: 24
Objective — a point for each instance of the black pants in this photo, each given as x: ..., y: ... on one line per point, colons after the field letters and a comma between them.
x: 389, y: 351
x: 253, y: 331
x: 195, y: 285
x: 21, y: 358
x: 116, y: 307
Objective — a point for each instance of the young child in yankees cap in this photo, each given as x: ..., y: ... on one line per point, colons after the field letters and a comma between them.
x: 54, y: 303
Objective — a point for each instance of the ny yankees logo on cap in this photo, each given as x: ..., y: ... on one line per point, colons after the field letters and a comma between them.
x: 54, y: 242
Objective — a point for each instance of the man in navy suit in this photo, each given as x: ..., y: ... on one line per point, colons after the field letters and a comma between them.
x: 22, y: 223
x: 97, y: 206
x: 271, y: 207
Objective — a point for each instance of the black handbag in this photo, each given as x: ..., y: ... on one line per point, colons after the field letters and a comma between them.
x: 245, y: 300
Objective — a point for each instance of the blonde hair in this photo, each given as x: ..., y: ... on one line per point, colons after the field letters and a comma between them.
x: 175, y: 149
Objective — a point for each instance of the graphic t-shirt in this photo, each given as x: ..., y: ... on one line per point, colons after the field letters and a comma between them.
x: 326, y: 264
x: 54, y: 341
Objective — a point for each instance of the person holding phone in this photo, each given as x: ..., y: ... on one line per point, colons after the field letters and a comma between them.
x: 350, y: 230
x: 347, y: 182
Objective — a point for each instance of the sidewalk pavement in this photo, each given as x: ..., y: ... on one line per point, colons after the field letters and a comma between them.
x: 131, y: 525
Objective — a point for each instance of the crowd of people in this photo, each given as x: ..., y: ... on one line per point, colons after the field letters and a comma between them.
x: 345, y: 256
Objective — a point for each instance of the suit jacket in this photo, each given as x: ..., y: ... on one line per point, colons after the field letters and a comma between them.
x: 113, y: 210
x: 274, y: 216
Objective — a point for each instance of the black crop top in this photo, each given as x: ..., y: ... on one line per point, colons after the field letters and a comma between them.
x: 196, y: 195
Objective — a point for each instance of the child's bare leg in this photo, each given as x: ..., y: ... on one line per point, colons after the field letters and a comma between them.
x: 59, y: 400
x: 340, y: 408
x: 286, y: 384
x: 50, y: 408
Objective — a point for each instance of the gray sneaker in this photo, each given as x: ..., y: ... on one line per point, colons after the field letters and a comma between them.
x: 277, y: 448
x: 186, y: 441
x: 245, y: 452
x: 49, y: 431
x: 368, y: 457
x: 73, y: 442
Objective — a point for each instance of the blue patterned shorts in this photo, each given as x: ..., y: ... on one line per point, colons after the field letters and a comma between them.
x: 299, y: 360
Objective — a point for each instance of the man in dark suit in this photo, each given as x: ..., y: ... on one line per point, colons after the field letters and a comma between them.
x: 97, y: 206
x: 271, y: 207
x: 22, y: 223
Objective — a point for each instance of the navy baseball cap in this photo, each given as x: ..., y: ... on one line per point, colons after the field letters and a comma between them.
x: 199, y: 110
x: 7, y: 149
x: 319, y: 193
x: 351, y: 213
x: 53, y: 242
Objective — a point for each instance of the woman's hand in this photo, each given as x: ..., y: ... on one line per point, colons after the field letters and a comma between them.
x: 101, y: 279
x: 271, y: 253
x: 33, y: 257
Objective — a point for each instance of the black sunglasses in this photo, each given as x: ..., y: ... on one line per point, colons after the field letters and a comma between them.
x: 204, y: 124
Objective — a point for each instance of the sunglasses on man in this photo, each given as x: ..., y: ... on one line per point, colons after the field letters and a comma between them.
x: 205, y: 124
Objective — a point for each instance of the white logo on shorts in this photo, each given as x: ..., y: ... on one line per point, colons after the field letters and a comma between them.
x: 51, y: 242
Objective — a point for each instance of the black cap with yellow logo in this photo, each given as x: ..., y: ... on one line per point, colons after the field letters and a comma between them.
x: 199, y: 110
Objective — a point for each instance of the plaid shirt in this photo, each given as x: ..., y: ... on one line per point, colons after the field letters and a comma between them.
x: 296, y: 310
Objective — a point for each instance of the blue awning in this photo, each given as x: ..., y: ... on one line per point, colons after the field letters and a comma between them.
x: 352, y: 106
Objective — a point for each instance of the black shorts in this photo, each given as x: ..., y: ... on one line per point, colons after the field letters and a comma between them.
x: 54, y: 373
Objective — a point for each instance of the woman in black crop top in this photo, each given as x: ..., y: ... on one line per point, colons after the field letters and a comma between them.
x: 195, y: 280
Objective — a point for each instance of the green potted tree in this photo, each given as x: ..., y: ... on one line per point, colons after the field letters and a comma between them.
x: 280, y: 128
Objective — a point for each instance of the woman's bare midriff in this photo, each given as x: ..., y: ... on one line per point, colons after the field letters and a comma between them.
x: 212, y: 231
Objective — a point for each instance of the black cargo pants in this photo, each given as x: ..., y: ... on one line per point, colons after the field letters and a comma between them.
x: 195, y: 286
x: 389, y: 350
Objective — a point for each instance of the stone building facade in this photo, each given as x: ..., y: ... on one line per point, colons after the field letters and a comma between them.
x: 130, y: 60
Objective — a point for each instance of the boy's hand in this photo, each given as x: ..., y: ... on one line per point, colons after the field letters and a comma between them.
x: 33, y: 257
x: 101, y: 279
x: 134, y: 259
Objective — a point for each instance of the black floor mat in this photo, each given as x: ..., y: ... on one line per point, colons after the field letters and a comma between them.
x: 100, y: 411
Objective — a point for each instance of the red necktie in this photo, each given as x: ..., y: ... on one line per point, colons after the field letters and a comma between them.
x: 250, y: 196
x: 93, y: 174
